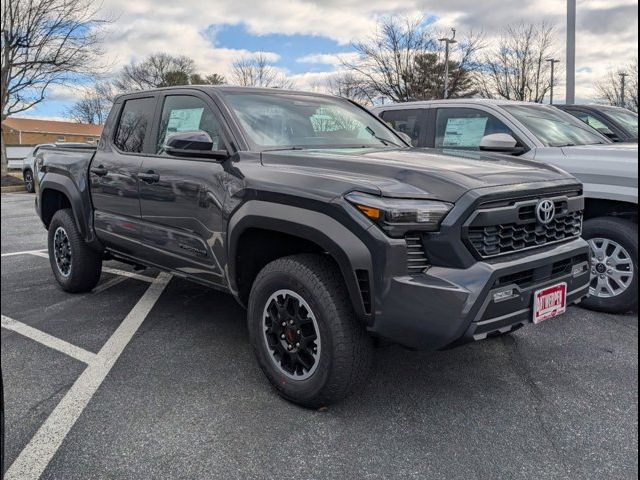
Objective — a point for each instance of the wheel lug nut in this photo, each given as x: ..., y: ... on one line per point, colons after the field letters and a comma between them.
x: 290, y: 322
x: 298, y: 331
x: 289, y: 347
x: 282, y: 336
x: 601, y: 276
x: 297, y: 344
x: 284, y: 324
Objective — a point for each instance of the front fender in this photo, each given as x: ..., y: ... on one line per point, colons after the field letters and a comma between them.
x: 349, y: 252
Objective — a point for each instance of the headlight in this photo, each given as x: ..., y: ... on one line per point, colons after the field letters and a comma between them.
x: 397, y: 216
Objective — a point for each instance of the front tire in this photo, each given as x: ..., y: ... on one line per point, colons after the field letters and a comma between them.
x: 75, y: 266
x: 304, y: 332
x: 614, y: 265
x: 29, y: 184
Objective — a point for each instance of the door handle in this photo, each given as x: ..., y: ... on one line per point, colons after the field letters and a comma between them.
x: 149, y: 177
x: 99, y: 171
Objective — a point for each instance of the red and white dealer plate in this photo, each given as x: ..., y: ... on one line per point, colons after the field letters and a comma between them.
x: 549, y: 302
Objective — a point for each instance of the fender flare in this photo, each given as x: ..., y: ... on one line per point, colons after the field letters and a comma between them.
x: 349, y: 252
x: 80, y: 205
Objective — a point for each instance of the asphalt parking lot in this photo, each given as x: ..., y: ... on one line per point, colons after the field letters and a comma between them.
x: 152, y: 377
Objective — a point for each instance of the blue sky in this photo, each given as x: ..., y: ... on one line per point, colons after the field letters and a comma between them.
x: 216, y: 33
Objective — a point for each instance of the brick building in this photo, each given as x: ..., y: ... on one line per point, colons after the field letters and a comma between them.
x: 29, y: 132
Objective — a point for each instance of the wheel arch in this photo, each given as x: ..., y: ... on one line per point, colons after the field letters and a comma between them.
x: 602, y: 207
x: 286, y: 230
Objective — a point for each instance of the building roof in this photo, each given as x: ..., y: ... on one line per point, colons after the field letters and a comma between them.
x: 32, y: 125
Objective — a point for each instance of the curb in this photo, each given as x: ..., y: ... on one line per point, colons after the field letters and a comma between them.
x: 13, y: 188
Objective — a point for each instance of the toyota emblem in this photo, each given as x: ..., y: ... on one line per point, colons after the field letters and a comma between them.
x: 545, y: 211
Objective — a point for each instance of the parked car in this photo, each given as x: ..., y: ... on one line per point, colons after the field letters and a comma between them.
x: 545, y: 134
x: 321, y: 221
x: 28, y: 163
x: 616, y: 123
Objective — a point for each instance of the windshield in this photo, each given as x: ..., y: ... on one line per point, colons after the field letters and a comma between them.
x: 553, y: 127
x: 626, y: 118
x: 283, y: 120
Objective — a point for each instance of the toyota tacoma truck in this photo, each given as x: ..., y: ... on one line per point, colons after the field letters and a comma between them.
x: 318, y: 218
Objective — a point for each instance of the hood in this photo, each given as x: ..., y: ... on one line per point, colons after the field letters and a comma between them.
x: 622, y: 151
x: 415, y: 173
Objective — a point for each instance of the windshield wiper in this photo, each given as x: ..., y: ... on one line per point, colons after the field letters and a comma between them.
x: 283, y: 149
x: 384, y: 141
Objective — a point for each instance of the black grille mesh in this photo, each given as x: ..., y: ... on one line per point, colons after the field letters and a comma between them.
x: 500, y: 239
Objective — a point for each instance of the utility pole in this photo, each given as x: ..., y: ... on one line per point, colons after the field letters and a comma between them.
x: 623, y: 88
x: 571, y: 52
x: 448, y: 42
x: 553, y: 62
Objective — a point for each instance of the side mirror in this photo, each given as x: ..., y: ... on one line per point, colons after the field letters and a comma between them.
x: 499, y: 142
x: 404, y: 137
x: 194, y: 144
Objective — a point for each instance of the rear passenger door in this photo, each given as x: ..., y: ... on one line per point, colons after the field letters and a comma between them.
x: 114, y: 169
x: 409, y: 121
x: 181, y: 198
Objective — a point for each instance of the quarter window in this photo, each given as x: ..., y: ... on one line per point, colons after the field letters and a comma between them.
x: 184, y: 113
x: 134, y: 123
x: 465, y: 127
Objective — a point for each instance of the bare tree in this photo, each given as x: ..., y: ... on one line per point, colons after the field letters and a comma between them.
x: 162, y: 70
x: 351, y: 86
x: 45, y: 43
x: 402, y: 60
x: 517, y: 68
x: 94, y: 106
x: 609, y: 89
x: 258, y: 71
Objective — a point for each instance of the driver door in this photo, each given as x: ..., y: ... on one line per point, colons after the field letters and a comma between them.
x: 181, y: 198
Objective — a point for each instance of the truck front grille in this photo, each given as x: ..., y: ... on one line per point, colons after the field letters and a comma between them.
x: 512, y: 228
x: 417, y: 260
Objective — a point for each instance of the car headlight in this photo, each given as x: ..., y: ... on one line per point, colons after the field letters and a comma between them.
x: 397, y: 216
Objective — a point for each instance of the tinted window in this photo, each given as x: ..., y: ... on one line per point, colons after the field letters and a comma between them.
x: 465, y: 127
x: 592, y: 121
x: 184, y: 113
x: 405, y: 121
x: 135, y: 120
x: 626, y: 118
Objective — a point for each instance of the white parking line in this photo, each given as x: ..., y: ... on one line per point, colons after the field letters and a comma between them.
x: 25, y: 252
x: 48, y: 340
x: 112, y: 282
x: 35, y: 457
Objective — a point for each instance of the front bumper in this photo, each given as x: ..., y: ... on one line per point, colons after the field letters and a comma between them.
x: 446, y: 307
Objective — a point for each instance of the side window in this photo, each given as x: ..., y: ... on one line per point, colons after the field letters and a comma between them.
x: 184, y: 113
x: 592, y: 121
x: 405, y: 121
x: 465, y: 127
x: 135, y: 120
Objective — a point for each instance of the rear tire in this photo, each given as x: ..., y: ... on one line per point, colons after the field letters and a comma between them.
x: 304, y: 333
x: 29, y: 184
x: 75, y: 266
x: 614, y: 265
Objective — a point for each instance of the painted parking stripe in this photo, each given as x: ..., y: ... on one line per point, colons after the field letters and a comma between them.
x: 35, y: 457
x: 48, y: 340
x: 112, y: 282
x: 25, y: 252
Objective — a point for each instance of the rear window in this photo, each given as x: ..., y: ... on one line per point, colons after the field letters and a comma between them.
x: 135, y: 120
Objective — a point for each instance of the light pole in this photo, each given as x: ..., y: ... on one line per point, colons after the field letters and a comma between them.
x: 448, y: 42
x: 623, y: 88
x: 553, y: 62
x: 571, y: 52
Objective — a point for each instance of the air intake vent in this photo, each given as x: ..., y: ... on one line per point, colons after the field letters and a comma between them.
x: 365, y: 289
x: 417, y: 260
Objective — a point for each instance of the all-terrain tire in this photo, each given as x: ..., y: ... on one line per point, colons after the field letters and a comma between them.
x: 82, y: 270
x: 346, y: 351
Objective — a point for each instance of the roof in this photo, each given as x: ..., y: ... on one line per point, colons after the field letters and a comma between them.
x: 32, y: 125
x: 473, y: 101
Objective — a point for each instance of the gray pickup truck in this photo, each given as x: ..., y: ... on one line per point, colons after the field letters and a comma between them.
x: 546, y: 134
x: 321, y: 221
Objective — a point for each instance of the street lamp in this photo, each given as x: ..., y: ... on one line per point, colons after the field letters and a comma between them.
x: 553, y: 62
x: 623, y: 88
x: 448, y: 42
x: 571, y: 52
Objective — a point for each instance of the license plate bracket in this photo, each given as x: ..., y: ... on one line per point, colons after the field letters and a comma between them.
x: 549, y: 302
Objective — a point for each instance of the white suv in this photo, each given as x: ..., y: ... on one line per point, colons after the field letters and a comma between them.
x: 543, y: 133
